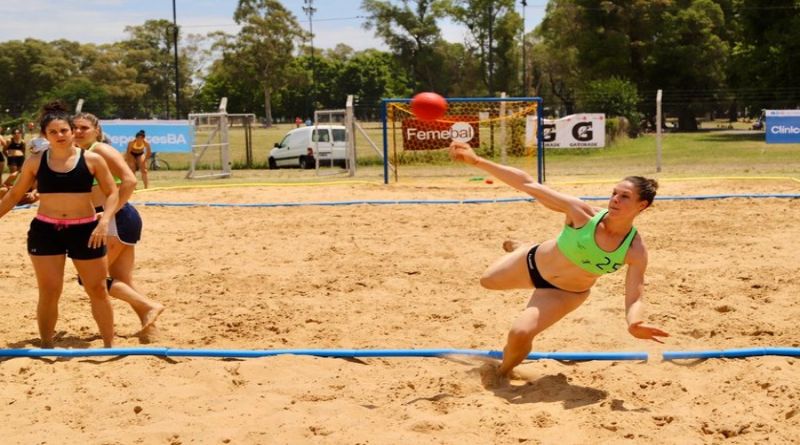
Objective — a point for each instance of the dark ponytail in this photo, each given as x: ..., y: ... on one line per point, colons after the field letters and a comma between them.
x: 646, y: 188
x: 54, y: 111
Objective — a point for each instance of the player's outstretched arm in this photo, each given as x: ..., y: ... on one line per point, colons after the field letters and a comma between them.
x: 634, y: 289
x: 521, y: 181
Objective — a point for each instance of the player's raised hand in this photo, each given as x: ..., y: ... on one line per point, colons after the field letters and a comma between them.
x: 461, y: 151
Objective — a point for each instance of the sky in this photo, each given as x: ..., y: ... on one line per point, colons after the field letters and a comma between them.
x: 104, y: 21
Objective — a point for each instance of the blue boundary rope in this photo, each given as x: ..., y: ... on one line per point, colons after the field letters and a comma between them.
x: 398, y: 353
x: 451, y: 201
x: 334, y: 353
x: 732, y: 353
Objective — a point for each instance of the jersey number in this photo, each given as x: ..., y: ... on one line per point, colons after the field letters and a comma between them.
x: 603, y: 266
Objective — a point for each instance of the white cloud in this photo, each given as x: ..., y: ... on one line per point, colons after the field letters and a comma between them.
x: 356, y: 37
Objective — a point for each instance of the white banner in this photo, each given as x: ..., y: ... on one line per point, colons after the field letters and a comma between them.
x: 576, y: 130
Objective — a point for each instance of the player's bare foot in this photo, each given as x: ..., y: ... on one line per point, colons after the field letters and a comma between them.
x: 491, y: 377
x: 148, y: 335
x: 510, y: 245
x: 149, y: 318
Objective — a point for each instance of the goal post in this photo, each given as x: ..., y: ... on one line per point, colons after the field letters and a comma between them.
x: 334, y: 141
x: 213, y: 129
x: 500, y: 128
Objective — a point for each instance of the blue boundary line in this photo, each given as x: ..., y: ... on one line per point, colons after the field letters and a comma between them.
x: 451, y: 201
x: 732, y: 353
x: 333, y: 353
x: 398, y: 353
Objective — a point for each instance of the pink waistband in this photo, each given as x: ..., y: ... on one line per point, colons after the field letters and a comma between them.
x: 66, y: 222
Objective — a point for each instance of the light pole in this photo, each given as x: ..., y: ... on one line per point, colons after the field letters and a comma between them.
x: 177, y: 69
x: 309, y: 9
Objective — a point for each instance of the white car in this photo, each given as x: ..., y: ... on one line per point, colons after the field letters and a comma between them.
x: 301, y: 146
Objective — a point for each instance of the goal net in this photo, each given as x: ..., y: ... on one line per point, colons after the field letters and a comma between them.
x: 506, y: 129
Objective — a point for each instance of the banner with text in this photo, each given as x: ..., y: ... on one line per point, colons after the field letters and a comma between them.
x: 174, y: 136
x: 433, y: 135
x: 575, y: 130
x: 783, y: 126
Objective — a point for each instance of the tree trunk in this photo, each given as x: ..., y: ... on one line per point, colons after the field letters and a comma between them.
x: 687, y: 120
x: 733, y: 112
x: 267, y: 107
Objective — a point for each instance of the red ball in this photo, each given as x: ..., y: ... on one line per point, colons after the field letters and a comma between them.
x: 428, y: 106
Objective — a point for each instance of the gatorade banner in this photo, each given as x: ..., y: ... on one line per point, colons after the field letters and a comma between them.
x: 434, y: 135
x: 783, y: 126
x: 165, y: 136
x: 575, y: 130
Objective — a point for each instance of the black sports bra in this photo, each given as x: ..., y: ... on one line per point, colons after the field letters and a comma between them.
x: 76, y: 180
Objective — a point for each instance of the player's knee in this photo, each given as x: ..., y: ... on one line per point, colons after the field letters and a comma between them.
x: 50, y: 291
x: 96, y: 289
x: 490, y: 281
x: 522, y: 336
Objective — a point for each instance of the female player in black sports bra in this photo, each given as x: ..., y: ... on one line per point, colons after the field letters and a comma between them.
x: 66, y: 224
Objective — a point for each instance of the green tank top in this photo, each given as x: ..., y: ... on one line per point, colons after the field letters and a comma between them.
x: 580, y: 247
x: 117, y: 180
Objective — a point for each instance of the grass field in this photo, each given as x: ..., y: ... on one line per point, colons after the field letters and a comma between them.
x: 713, y: 152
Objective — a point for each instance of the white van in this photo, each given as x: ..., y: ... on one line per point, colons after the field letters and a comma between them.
x: 301, y: 146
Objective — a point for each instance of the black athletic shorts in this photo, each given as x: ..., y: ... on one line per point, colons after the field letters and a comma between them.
x: 538, y: 280
x: 46, y: 238
x: 16, y: 160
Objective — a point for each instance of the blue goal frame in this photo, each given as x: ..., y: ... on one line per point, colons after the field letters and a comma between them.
x: 540, y: 173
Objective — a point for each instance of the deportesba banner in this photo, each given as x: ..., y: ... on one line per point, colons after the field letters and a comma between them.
x: 163, y: 135
x: 783, y: 126
x: 575, y: 130
x: 433, y: 135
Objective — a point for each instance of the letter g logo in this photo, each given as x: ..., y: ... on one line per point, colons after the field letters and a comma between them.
x: 582, y: 131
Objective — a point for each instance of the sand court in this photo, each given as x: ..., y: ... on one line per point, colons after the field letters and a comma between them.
x: 722, y: 274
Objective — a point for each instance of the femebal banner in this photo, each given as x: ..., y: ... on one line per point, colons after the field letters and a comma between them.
x: 163, y: 135
x: 783, y: 126
x: 575, y: 130
x: 433, y: 135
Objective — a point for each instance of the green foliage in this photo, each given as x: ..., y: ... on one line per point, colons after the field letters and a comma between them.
x: 706, y: 55
x: 263, y: 48
x: 150, y: 52
x: 493, y: 26
x: 411, y: 31
x: 615, y: 97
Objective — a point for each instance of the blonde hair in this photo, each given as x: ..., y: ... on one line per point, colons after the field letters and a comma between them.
x: 93, y: 120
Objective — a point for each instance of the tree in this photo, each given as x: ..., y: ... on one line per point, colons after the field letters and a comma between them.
x: 30, y: 69
x: 688, y: 59
x: 122, y: 92
x: 263, y: 47
x: 676, y: 45
x: 556, y: 55
x: 371, y: 75
x: 494, y: 26
x: 765, y: 59
x: 411, y: 33
x: 614, y: 97
x: 149, y: 51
